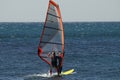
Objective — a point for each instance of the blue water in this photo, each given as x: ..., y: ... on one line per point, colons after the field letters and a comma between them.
x: 92, y: 49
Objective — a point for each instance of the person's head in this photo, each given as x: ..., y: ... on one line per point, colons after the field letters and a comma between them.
x: 59, y: 52
x: 53, y: 53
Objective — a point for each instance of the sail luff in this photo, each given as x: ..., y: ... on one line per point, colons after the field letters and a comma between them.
x: 62, y: 28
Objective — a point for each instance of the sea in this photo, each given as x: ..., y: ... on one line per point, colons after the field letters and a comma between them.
x: 92, y: 49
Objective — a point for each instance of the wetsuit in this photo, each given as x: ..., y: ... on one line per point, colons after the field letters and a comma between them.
x: 54, y: 62
x: 59, y: 64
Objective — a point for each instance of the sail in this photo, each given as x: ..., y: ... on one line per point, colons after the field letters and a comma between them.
x: 52, y: 38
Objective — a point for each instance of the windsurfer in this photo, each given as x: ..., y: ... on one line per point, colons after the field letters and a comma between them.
x: 53, y: 61
x: 60, y: 56
x: 56, y: 62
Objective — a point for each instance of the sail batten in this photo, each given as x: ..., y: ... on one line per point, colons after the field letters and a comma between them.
x: 53, y: 28
x: 53, y: 15
x: 52, y: 43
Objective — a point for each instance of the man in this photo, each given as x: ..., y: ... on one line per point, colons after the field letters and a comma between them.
x: 60, y: 58
x: 53, y: 62
x: 56, y: 62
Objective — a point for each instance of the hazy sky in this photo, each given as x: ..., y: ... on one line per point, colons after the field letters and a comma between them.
x: 71, y: 10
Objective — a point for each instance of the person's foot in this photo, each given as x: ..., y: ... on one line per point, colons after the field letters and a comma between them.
x: 59, y: 75
x: 50, y: 72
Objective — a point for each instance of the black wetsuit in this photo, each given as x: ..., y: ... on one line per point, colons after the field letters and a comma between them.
x: 60, y: 64
x: 54, y: 62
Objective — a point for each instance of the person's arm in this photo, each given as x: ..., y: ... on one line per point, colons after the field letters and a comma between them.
x: 49, y: 54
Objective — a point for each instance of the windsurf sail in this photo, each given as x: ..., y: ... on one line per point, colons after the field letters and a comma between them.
x: 52, y: 37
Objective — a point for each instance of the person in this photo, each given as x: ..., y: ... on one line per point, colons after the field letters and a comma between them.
x: 60, y: 58
x: 53, y: 62
x: 56, y: 62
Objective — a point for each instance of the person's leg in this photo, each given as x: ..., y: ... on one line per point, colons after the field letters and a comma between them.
x: 60, y: 69
x: 60, y: 65
x: 50, y: 70
x: 56, y: 68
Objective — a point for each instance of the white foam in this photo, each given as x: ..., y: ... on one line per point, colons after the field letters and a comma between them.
x: 45, y: 75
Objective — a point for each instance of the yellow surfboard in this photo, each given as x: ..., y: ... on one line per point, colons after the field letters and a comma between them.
x: 67, y: 72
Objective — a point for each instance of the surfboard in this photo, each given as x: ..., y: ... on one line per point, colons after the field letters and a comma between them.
x: 68, y: 72
x: 64, y: 73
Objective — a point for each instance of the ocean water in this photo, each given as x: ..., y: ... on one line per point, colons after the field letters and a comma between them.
x: 91, y: 48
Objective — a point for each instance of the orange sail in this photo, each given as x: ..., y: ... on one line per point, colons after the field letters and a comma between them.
x: 52, y: 37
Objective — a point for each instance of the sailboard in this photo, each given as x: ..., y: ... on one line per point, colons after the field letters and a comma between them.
x: 71, y: 71
x: 52, y: 37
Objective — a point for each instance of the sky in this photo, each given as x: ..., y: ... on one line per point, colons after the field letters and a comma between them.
x: 71, y: 10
